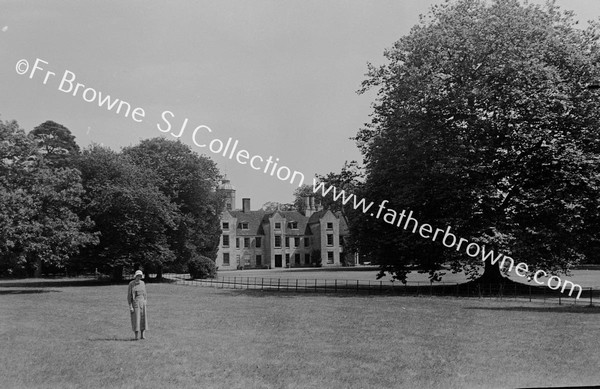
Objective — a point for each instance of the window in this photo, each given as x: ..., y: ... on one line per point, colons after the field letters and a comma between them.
x: 247, y: 243
x: 307, y: 258
x: 225, y: 225
x: 225, y: 240
x: 287, y: 259
x: 229, y: 206
x: 329, y: 225
x: 287, y: 241
x: 237, y: 243
x: 258, y: 241
x: 278, y: 241
x: 225, y: 259
x: 246, y: 259
x: 296, y: 242
x: 306, y: 242
x: 258, y: 260
x: 244, y: 226
x: 329, y: 239
x: 330, y: 257
x: 297, y: 259
x: 293, y: 225
x: 278, y: 226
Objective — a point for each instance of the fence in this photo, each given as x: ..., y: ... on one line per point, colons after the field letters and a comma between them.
x: 512, y: 291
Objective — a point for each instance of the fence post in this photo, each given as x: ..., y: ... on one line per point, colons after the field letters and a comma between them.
x: 456, y: 289
x: 325, y: 290
x: 369, y: 286
x: 544, y: 294
x: 296, y: 285
x: 380, y: 286
x: 591, y: 291
x: 262, y: 283
x: 357, y: 281
x: 315, y: 285
x: 278, y: 283
x: 335, y: 287
x: 529, y: 293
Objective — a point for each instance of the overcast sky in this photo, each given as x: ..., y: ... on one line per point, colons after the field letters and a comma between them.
x: 278, y: 76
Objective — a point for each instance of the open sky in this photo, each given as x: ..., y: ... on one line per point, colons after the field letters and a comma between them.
x: 280, y: 77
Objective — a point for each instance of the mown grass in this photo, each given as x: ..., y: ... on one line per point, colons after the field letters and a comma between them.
x: 71, y: 337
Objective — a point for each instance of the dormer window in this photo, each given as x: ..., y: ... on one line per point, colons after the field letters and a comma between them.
x: 293, y: 225
x: 278, y: 226
x: 329, y: 225
x: 225, y: 225
x: 244, y: 226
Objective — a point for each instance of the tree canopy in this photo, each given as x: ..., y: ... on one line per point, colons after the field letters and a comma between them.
x: 189, y: 181
x: 483, y: 121
x: 39, y: 205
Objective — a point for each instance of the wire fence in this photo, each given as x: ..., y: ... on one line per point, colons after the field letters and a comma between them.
x: 513, y: 291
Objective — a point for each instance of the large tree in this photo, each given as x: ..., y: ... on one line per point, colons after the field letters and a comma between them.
x: 484, y: 122
x: 39, y: 224
x: 189, y: 181
x: 55, y: 142
x: 131, y: 214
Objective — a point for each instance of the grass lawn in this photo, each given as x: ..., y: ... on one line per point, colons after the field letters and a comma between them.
x: 67, y: 337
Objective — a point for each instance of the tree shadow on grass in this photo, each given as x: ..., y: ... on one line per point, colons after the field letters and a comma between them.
x: 60, y: 283
x: 550, y: 309
x: 27, y: 291
x: 291, y: 294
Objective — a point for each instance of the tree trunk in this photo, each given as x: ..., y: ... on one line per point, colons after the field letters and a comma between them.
x: 159, y: 273
x: 37, y: 268
x: 117, y: 273
x: 492, y: 274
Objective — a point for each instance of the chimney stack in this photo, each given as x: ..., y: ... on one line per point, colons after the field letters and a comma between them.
x: 309, y: 201
x: 246, y: 205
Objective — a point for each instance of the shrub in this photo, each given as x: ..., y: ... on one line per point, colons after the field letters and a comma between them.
x: 202, y: 267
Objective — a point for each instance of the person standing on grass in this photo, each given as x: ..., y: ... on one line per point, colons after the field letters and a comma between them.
x: 136, y: 297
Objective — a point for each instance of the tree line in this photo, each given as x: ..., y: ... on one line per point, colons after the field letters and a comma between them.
x: 67, y: 210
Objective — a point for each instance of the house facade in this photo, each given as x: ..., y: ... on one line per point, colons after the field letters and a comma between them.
x: 277, y: 239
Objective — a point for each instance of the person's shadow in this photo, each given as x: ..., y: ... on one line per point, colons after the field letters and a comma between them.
x: 114, y: 339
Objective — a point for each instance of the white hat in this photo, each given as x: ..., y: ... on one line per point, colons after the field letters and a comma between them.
x: 138, y: 273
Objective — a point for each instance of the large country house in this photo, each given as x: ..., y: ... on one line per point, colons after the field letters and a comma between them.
x: 275, y: 239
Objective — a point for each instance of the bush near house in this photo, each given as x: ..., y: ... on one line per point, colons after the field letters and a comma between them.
x: 202, y: 267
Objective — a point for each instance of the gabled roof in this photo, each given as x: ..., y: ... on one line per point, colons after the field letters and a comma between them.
x: 254, y: 220
x: 295, y: 216
x: 315, y: 217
